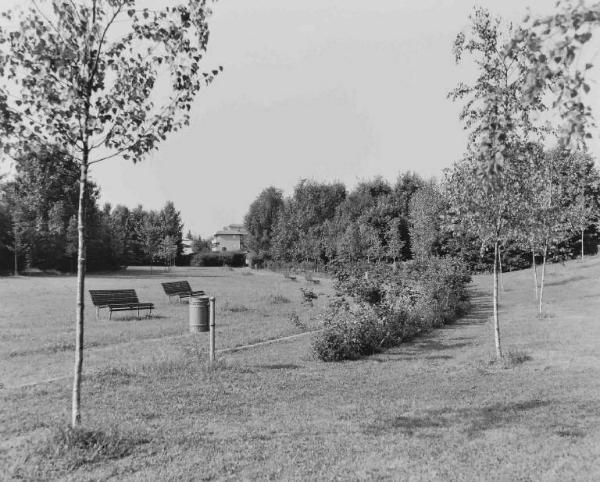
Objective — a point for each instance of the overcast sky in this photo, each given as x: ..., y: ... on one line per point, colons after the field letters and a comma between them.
x: 324, y: 89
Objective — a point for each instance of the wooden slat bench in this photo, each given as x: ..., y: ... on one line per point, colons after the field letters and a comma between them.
x: 118, y: 300
x: 182, y: 289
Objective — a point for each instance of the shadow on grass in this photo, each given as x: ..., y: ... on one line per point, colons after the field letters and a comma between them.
x: 117, y: 319
x: 478, y: 314
x: 472, y: 421
x: 279, y: 366
x: 387, y: 356
x: 565, y: 281
x: 52, y: 349
x: 422, y: 345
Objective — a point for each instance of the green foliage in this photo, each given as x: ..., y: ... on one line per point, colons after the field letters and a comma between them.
x: 557, y: 69
x: 86, y: 84
x: 425, y: 213
x: 302, y: 229
x: 223, y: 258
x: 260, y: 220
x: 379, y: 306
x: 321, y: 222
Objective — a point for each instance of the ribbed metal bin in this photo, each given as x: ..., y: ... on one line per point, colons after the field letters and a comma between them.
x: 199, y: 314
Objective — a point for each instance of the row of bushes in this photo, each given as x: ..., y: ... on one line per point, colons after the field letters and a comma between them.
x: 234, y: 259
x: 379, y: 306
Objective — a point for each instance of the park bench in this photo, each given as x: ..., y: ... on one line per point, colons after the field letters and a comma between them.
x: 118, y: 300
x: 181, y: 289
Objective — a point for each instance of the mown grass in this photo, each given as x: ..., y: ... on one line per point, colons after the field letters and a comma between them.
x: 37, y: 336
x: 423, y: 411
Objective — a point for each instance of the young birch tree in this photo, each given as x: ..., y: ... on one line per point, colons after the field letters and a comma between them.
x: 486, y: 214
x: 84, y: 75
x: 497, y: 123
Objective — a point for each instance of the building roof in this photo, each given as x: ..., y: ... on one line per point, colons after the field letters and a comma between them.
x: 233, y: 229
x: 230, y: 232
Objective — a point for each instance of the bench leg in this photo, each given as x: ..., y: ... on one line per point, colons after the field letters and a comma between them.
x: 109, y: 314
x: 97, y: 313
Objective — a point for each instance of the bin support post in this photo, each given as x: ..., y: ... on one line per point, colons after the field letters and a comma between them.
x: 211, y: 326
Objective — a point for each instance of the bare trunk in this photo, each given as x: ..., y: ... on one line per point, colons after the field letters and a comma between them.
x: 543, y: 276
x: 582, y: 231
x: 500, y: 268
x: 16, y: 250
x: 495, y: 302
x: 534, y: 268
x: 76, y: 406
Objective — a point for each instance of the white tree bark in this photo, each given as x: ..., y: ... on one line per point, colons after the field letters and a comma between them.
x: 495, y: 302
x: 534, y: 269
x: 543, y: 277
x: 76, y: 403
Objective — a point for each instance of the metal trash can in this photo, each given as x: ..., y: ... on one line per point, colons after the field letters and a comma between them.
x: 199, y: 314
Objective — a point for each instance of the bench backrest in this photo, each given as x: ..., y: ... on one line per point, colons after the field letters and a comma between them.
x: 175, y: 287
x: 113, y: 297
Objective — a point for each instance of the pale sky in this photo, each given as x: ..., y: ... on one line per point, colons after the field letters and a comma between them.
x: 324, y: 89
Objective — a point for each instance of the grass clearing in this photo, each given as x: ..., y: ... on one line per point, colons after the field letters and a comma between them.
x: 37, y: 337
x: 431, y: 409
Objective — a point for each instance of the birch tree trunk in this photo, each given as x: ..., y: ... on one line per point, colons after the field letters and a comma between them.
x: 76, y: 404
x: 543, y: 276
x: 495, y: 302
x: 500, y: 268
x: 534, y: 269
x: 16, y: 233
x: 582, y: 231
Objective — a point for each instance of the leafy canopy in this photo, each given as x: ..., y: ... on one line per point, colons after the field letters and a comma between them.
x: 106, y: 75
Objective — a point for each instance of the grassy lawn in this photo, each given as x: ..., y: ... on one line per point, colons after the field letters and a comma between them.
x: 438, y: 408
x: 38, y: 317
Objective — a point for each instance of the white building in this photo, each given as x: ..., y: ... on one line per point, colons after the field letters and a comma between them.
x: 230, y: 238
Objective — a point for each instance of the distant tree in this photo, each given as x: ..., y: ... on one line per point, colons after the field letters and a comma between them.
x: 167, y: 251
x: 350, y: 246
x: 71, y: 245
x: 425, y: 210
x: 301, y: 232
x: 261, y: 219
x: 121, y: 232
x: 150, y: 233
x: 200, y: 245
x: 583, y: 192
x: 171, y: 225
x: 394, y: 242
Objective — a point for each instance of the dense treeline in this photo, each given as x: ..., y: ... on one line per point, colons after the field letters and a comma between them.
x: 38, y: 222
x: 323, y: 221
x: 415, y: 218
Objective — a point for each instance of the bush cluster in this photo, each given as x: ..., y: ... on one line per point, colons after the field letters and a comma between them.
x: 379, y: 305
x: 234, y: 259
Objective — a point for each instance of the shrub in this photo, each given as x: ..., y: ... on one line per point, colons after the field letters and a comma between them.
x: 379, y: 306
x: 233, y: 259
